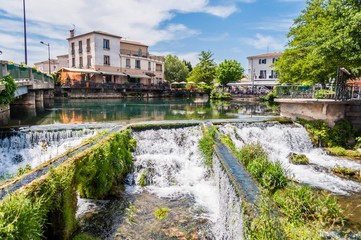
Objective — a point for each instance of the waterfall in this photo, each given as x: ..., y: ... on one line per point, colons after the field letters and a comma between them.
x: 281, y: 140
x: 36, y: 147
x: 172, y: 166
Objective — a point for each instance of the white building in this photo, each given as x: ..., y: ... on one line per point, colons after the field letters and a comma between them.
x: 260, y: 70
x: 55, y: 64
x: 103, y: 57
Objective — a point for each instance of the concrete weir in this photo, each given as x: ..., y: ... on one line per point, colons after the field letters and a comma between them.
x: 328, y: 110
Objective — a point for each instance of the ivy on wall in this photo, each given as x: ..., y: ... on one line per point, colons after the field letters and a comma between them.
x: 8, y: 94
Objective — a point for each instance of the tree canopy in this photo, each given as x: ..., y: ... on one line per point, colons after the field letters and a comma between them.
x: 324, y: 37
x: 205, y: 70
x: 175, y: 70
x: 229, y: 71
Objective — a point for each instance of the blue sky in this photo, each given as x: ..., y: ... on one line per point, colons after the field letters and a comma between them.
x: 230, y: 29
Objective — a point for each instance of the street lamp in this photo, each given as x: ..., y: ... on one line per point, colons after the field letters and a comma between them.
x: 25, y: 44
x: 47, y: 44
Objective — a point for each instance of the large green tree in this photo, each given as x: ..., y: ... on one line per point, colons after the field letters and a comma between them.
x: 229, y: 71
x: 174, y: 69
x: 324, y: 37
x: 205, y: 70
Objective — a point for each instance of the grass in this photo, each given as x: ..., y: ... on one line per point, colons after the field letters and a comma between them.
x: 344, y: 171
x: 206, y: 145
x: 340, y: 151
x: 143, y: 178
x: 299, y: 159
x: 285, y: 210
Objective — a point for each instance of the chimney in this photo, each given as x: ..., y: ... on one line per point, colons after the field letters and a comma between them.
x: 72, y: 33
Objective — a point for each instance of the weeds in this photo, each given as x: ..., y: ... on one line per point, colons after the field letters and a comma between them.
x: 161, y: 213
x: 206, y: 145
x: 299, y: 159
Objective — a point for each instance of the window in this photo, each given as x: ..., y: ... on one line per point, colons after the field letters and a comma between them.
x: 262, y: 74
x: 149, y: 66
x: 106, y: 60
x: 80, y: 46
x: 80, y: 62
x: 89, y: 61
x: 158, y: 67
x: 262, y: 61
x: 73, y: 62
x: 72, y: 48
x: 137, y: 64
x: 106, y: 44
x: 139, y: 52
x: 88, y: 45
x: 127, y: 63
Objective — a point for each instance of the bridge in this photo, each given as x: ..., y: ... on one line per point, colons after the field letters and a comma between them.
x: 34, y: 88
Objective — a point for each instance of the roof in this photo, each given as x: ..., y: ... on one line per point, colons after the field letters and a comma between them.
x: 52, y: 61
x: 265, y: 55
x: 95, y: 32
x: 133, y: 42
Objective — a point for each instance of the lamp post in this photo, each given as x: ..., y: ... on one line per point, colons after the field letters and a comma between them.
x: 47, y: 44
x: 25, y: 44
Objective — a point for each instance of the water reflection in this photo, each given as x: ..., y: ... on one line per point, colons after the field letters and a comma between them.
x: 135, y: 110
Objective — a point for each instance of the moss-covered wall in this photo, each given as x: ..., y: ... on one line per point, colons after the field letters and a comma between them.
x: 46, y: 208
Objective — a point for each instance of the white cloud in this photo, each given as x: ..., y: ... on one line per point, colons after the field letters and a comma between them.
x: 278, y: 25
x: 192, y: 57
x: 264, y: 42
x: 140, y: 20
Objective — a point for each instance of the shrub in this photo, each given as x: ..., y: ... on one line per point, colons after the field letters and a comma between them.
x: 143, y: 178
x: 8, y: 94
x: 337, y: 151
x: 299, y: 159
x: 344, y: 171
x: 324, y: 94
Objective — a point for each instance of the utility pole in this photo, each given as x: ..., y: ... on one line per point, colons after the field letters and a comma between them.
x: 25, y: 43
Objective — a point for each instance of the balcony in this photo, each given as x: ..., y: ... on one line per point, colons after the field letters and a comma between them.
x: 133, y: 53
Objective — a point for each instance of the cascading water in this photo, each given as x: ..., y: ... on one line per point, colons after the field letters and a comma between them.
x: 202, y: 203
x: 35, y: 148
x: 174, y: 170
x: 282, y: 140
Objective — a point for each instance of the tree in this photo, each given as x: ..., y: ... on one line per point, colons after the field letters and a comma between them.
x: 174, y: 69
x: 229, y: 71
x: 188, y: 64
x: 205, y: 70
x: 324, y: 37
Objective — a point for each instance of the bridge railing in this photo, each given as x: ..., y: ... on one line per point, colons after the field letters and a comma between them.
x: 24, y: 75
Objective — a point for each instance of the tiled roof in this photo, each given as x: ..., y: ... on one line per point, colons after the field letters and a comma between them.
x: 265, y: 55
x: 96, y: 32
x: 133, y: 42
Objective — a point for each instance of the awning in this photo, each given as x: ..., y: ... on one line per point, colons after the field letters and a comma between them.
x: 138, y: 76
x: 256, y: 83
x: 79, y: 70
x: 150, y: 74
x: 113, y: 73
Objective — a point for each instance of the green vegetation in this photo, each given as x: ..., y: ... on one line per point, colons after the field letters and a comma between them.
x: 49, y: 203
x: 299, y: 159
x: 270, y: 97
x: 205, y: 70
x: 143, y: 178
x: 229, y: 71
x: 175, y: 70
x: 285, y: 210
x: 8, y: 94
x: 326, y: 35
x: 344, y: 171
x: 324, y: 94
x: 21, y: 218
x: 219, y: 94
x: 161, y: 213
x: 322, y: 135
x: 206, y: 145
x: 131, y: 212
x: 23, y: 170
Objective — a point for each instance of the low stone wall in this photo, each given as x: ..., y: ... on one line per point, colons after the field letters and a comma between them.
x: 4, y: 114
x: 329, y: 111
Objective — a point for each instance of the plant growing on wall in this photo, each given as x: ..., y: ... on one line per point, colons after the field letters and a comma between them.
x: 8, y: 94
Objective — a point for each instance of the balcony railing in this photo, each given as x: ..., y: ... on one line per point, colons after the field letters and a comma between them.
x: 133, y: 53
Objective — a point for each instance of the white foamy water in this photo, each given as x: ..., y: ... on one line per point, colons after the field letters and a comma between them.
x: 35, y: 148
x: 176, y: 170
x: 281, y: 140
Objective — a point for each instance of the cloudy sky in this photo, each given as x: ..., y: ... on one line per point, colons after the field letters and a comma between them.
x: 231, y: 29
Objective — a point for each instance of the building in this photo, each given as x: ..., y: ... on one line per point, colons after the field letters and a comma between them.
x: 106, y: 58
x: 55, y: 64
x: 260, y: 70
